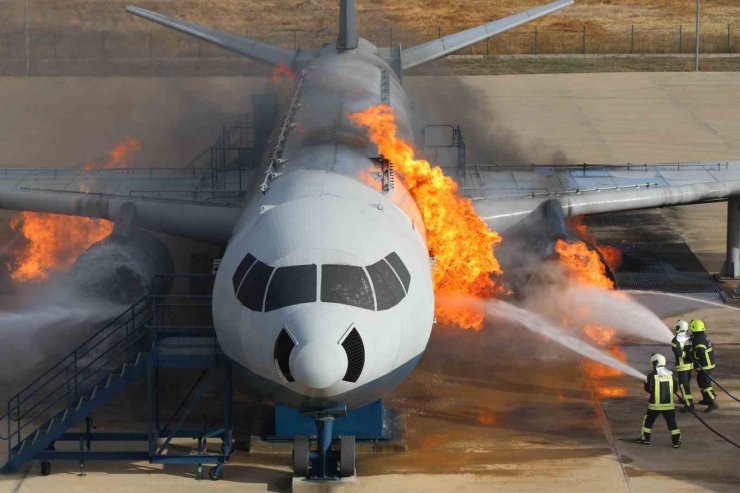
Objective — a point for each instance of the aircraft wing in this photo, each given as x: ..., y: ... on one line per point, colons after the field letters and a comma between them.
x: 188, y: 202
x: 503, y: 195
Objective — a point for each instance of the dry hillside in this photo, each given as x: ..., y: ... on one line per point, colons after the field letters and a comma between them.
x: 410, y: 18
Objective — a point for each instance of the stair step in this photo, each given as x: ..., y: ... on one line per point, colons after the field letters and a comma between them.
x: 37, y: 436
x: 111, y: 378
x: 123, y: 370
x: 140, y: 358
x: 80, y: 403
x: 94, y: 393
x: 52, y: 422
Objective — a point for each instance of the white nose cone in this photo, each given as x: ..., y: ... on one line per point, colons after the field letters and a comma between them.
x: 317, y: 365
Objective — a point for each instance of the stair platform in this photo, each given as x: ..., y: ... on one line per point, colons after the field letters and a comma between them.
x: 131, y: 349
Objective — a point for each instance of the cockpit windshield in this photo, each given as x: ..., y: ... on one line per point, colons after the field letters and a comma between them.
x: 388, y: 289
x: 379, y: 286
x: 347, y: 285
x: 291, y: 286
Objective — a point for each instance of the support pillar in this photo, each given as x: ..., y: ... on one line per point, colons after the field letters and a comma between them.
x: 324, y: 426
x: 731, y: 267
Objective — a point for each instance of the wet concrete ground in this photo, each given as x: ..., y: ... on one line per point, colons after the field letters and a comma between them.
x: 502, y: 409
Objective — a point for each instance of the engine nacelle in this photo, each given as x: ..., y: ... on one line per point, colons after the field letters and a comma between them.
x: 528, y: 244
x: 121, y: 268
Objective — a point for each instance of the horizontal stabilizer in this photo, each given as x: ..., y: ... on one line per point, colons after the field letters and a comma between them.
x: 253, y: 49
x: 449, y: 44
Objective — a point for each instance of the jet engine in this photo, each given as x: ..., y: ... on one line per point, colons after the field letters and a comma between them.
x: 530, y: 243
x: 121, y: 268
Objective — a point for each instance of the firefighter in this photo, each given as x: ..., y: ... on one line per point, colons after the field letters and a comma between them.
x: 681, y: 345
x: 660, y: 384
x: 703, y: 364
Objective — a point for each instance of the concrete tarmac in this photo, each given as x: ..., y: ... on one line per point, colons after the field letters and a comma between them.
x: 487, y: 411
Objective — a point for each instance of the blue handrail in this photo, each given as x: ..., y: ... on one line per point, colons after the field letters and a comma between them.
x: 70, y: 378
x: 61, y: 387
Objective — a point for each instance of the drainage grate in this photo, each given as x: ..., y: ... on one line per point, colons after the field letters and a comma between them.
x: 654, y: 255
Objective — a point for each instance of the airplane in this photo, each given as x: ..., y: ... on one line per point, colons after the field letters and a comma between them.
x: 323, y: 298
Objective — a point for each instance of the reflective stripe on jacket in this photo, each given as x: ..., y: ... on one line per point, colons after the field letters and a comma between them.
x: 660, y: 387
x: 682, y: 353
x: 703, y: 356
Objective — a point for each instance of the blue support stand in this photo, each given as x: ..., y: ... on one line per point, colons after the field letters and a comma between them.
x: 365, y: 423
x: 327, y: 464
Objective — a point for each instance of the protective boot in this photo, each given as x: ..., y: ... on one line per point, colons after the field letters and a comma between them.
x: 713, y: 406
x: 676, y: 438
x: 644, y: 439
x: 688, y: 408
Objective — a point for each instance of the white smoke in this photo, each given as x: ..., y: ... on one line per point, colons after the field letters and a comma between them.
x: 51, y: 323
x: 583, y: 305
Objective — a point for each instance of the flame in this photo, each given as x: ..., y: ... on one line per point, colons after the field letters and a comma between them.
x: 281, y: 73
x: 54, y: 242
x: 604, y: 337
x: 119, y: 156
x: 608, y: 391
x: 611, y: 254
x: 450, y: 222
x: 599, y: 371
x: 583, y: 264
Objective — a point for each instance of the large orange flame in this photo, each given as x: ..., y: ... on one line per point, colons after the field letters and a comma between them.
x: 597, y: 372
x: 612, y: 255
x: 54, y: 242
x: 458, y: 239
x: 583, y: 264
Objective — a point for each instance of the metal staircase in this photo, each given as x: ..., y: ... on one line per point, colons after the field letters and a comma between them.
x: 84, y: 380
x: 130, y: 348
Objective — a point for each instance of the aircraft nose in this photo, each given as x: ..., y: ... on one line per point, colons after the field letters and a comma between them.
x: 317, y: 365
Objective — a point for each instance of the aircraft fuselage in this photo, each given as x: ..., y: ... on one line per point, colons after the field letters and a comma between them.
x: 324, y: 294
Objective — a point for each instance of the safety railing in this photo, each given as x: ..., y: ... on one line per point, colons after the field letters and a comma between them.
x: 75, y: 375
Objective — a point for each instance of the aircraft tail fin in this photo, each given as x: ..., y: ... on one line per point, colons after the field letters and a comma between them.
x: 253, y: 49
x: 348, y: 37
x: 438, y: 48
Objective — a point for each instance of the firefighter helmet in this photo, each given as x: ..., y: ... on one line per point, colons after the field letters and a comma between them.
x: 682, y: 326
x: 696, y: 325
x: 657, y: 359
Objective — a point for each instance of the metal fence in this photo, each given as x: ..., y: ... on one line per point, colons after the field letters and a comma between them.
x: 69, y: 44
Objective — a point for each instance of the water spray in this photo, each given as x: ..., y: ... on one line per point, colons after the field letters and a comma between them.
x: 542, y: 326
x: 681, y: 297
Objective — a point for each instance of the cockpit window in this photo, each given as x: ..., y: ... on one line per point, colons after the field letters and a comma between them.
x: 347, y: 285
x: 291, y: 286
x: 241, y: 270
x: 379, y: 286
x: 388, y: 289
x: 252, y: 290
x: 401, y: 270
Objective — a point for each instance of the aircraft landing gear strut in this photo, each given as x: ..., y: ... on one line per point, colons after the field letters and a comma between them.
x: 324, y: 463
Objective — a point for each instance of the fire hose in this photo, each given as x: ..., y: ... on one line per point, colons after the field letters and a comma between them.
x: 709, y: 376
x: 712, y: 429
x: 691, y: 409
